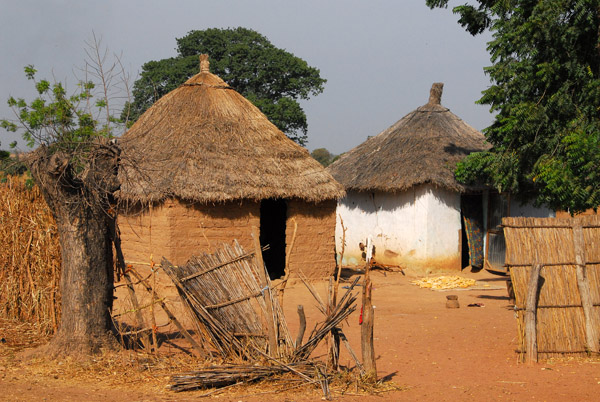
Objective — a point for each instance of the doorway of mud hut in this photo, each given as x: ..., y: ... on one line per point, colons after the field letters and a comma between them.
x: 273, y: 217
x: 472, y: 231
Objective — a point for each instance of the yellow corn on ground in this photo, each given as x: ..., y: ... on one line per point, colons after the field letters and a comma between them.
x: 444, y: 282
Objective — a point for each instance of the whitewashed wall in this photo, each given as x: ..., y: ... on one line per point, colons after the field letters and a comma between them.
x: 418, y: 228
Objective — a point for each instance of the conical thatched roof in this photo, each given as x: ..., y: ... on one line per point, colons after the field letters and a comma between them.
x: 422, y: 147
x: 205, y: 142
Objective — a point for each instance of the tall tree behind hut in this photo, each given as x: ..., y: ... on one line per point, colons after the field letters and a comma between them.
x: 271, y: 78
x: 75, y: 166
x: 546, y: 94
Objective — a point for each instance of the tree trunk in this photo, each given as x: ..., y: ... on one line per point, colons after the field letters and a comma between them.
x: 79, y: 203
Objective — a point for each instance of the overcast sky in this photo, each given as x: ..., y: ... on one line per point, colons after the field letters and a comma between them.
x: 379, y: 57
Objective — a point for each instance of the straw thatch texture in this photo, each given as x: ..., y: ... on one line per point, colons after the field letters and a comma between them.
x: 422, y: 147
x: 560, y: 315
x: 30, y: 258
x: 205, y: 142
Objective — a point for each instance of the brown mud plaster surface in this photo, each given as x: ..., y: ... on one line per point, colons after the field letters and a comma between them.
x: 176, y: 230
x: 313, y: 250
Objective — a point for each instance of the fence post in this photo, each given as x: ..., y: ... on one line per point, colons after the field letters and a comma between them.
x: 591, y: 322
x: 531, y: 314
x: 366, y: 331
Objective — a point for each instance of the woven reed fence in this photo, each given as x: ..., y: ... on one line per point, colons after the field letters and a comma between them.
x: 30, y: 257
x: 230, y: 294
x: 559, y: 316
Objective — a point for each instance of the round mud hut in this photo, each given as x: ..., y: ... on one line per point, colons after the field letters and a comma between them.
x: 402, y: 193
x: 203, y: 166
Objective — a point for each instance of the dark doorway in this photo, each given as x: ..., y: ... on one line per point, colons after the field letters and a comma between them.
x: 471, y: 206
x: 273, y: 216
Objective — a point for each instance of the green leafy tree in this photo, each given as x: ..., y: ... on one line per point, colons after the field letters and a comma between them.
x: 546, y: 93
x: 271, y: 78
x: 75, y: 166
x: 9, y: 165
x: 323, y: 156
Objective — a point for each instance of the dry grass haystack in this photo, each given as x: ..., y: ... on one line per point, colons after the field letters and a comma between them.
x: 421, y: 148
x: 30, y: 258
x: 561, y: 322
x: 205, y: 142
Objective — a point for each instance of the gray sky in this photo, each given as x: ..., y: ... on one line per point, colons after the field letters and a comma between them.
x: 379, y: 57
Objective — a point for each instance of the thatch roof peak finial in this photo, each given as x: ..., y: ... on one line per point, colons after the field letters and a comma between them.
x: 435, y: 94
x: 204, y: 64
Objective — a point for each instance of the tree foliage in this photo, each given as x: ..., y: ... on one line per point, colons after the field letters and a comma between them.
x: 271, y: 78
x: 546, y: 93
x: 323, y: 156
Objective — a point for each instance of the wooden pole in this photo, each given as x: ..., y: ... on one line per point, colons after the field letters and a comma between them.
x: 264, y: 283
x: 139, y: 318
x: 590, y: 316
x: 302, y: 326
x: 286, y: 277
x: 530, y: 314
x: 334, y: 351
x: 342, y: 336
x: 366, y: 332
x: 195, y: 346
x: 339, y: 265
x: 334, y: 339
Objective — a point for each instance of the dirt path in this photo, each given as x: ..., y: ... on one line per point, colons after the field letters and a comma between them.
x: 433, y: 353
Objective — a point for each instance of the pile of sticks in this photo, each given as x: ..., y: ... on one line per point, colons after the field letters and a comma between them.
x: 295, y: 363
x: 230, y: 294
x: 227, y: 375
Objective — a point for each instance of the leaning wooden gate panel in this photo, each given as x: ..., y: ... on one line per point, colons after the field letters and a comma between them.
x: 232, y: 299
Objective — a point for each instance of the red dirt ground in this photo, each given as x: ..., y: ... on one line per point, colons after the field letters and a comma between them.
x: 433, y: 353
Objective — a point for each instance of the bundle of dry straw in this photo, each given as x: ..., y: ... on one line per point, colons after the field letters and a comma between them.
x: 30, y: 261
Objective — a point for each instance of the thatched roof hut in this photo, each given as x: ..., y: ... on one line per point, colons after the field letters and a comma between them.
x: 205, y: 142
x: 401, y: 189
x: 203, y: 165
x: 421, y: 148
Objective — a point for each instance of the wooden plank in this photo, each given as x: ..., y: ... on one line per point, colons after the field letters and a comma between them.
x: 530, y: 314
x: 591, y: 320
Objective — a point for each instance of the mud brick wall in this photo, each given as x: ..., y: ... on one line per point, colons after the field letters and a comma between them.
x: 176, y: 230
x: 313, y: 250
